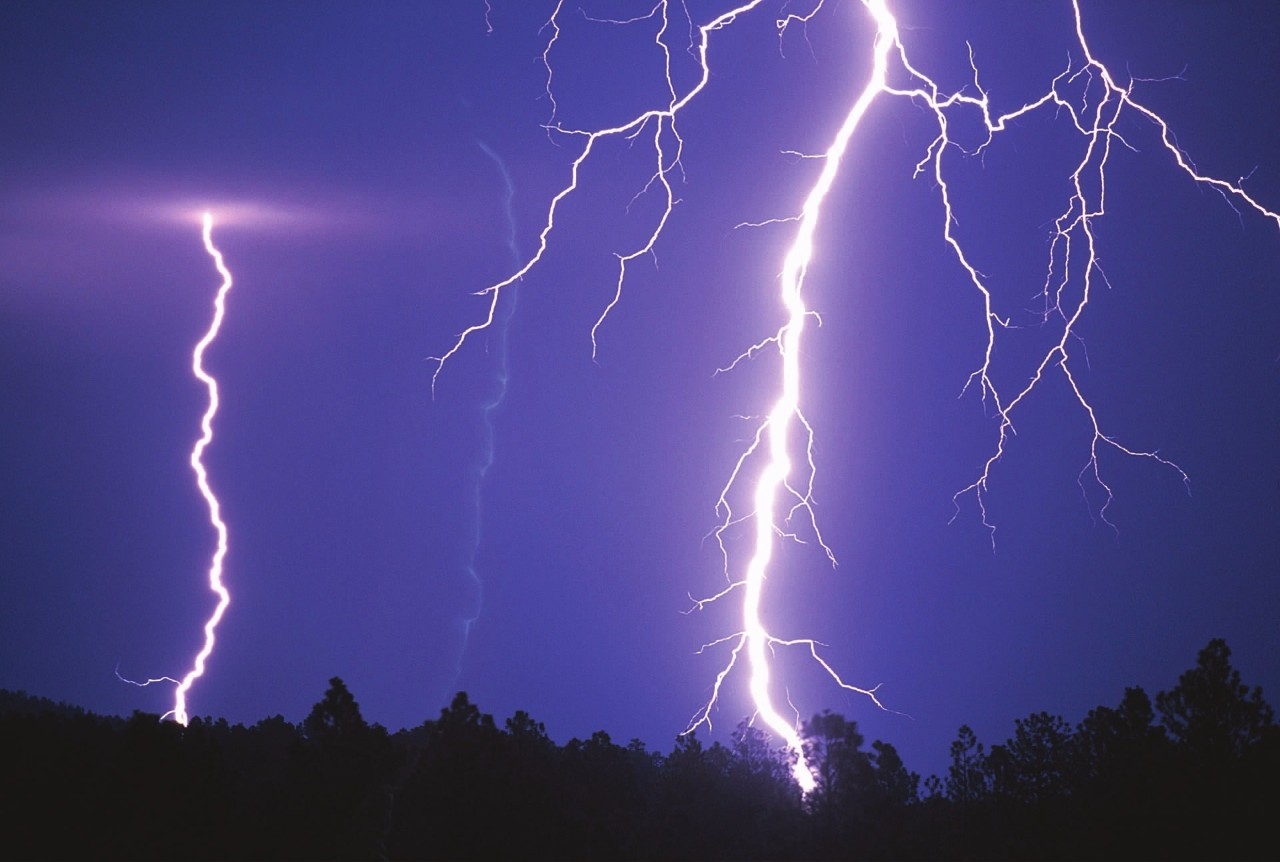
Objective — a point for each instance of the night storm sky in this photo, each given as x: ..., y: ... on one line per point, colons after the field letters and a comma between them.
x: 340, y: 146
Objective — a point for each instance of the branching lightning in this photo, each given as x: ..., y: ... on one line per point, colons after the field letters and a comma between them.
x: 1069, y: 283
x: 216, y: 585
x: 778, y: 464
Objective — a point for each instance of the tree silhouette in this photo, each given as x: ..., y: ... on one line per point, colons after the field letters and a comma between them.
x: 840, y: 804
x: 336, y: 718
x: 967, y: 776
x: 1200, y: 783
x: 343, y: 772
x: 1038, y: 763
x: 895, y: 785
x: 1222, y: 778
x: 1210, y: 713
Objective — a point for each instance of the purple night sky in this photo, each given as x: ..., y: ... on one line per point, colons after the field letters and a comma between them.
x: 354, y: 152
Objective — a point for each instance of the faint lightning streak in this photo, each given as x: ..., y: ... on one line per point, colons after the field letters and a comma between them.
x: 502, y: 321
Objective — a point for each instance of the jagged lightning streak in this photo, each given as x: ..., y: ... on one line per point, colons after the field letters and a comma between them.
x: 216, y: 585
x: 1070, y: 275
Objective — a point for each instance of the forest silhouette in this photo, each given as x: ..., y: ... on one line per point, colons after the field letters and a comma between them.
x: 1191, y: 775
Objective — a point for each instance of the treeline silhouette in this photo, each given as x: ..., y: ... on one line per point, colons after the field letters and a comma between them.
x: 1193, y: 775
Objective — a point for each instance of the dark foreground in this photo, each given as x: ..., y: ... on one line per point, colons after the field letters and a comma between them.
x: 1196, y: 775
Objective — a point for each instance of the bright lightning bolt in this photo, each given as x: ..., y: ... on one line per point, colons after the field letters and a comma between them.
x: 202, y: 477
x: 216, y: 585
x: 1087, y: 94
x: 776, y: 430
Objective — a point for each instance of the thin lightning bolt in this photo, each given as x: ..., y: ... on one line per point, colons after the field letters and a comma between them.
x: 216, y: 585
x: 1087, y: 94
x: 1094, y: 114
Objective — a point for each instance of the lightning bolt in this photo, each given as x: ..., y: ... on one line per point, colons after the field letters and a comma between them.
x: 216, y: 585
x: 1093, y: 102
x: 202, y: 477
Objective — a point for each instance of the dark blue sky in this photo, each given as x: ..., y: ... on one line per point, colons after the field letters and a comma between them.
x: 345, y: 138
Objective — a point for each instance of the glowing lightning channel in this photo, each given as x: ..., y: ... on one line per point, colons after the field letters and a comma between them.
x: 1097, y: 107
x: 179, y: 711
x: 216, y: 585
x: 777, y: 427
